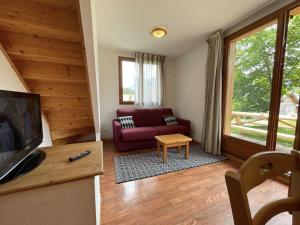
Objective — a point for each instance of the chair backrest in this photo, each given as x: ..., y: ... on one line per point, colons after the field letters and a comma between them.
x: 255, y: 171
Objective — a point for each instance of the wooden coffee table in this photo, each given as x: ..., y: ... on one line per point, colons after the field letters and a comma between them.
x: 173, y: 140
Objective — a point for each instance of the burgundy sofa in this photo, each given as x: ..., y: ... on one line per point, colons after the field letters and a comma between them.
x: 149, y: 123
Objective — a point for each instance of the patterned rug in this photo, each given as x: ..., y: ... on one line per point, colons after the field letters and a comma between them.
x: 141, y: 165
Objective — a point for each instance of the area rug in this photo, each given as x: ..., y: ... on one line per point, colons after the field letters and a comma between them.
x: 141, y: 165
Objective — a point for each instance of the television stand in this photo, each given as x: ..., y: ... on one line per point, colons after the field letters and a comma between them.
x: 32, y: 161
x: 58, y: 192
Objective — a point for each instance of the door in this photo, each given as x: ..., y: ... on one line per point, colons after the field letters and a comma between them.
x: 249, y: 70
x: 287, y: 131
x: 261, y: 85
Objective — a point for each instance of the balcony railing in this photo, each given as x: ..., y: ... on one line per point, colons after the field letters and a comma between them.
x: 245, y: 123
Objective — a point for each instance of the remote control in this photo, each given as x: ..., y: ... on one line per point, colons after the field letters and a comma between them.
x: 79, y: 156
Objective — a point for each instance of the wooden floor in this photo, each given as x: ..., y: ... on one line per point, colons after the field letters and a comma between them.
x: 192, y: 196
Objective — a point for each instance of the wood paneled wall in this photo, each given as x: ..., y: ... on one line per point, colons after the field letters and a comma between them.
x: 44, y: 40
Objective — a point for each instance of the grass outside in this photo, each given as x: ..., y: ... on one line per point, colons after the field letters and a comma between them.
x: 262, y: 137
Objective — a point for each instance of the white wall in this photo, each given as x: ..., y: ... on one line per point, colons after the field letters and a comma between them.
x: 189, y: 84
x: 170, y: 75
x: 9, y: 81
x: 88, y: 19
x: 109, y: 87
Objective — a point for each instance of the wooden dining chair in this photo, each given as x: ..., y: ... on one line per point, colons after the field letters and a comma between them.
x: 255, y: 171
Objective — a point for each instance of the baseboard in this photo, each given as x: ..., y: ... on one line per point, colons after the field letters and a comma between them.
x: 234, y: 158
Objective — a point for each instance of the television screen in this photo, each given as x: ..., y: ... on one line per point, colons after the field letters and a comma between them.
x: 20, y: 123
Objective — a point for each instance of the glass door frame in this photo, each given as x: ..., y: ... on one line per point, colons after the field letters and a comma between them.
x: 297, y: 133
x: 242, y: 148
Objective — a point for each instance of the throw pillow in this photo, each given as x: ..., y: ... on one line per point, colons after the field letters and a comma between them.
x: 126, y: 121
x: 170, y: 119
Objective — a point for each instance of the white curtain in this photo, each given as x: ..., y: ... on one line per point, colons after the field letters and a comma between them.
x: 149, y: 79
x: 211, y: 134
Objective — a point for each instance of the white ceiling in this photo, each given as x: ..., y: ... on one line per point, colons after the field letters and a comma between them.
x: 125, y: 25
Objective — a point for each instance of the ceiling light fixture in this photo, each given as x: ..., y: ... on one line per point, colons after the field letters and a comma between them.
x: 159, y: 32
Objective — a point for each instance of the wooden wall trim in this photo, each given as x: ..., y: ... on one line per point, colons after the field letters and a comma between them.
x: 39, y: 17
x: 44, y: 40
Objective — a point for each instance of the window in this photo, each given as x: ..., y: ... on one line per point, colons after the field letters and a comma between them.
x: 261, y: 85
x: 126, y: 80
x: 150, y: 79
x: 290, y: 89
x: 250, y: 73
x: 141, y: 79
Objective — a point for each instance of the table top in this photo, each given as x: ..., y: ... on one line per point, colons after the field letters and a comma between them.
x: 57, y: 169
x: 172, y: 138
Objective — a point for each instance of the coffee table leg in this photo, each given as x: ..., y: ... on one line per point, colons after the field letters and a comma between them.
x: 165, y: 158
x: 158, y: 148
x: 178, y: 150
x: 187, y: 150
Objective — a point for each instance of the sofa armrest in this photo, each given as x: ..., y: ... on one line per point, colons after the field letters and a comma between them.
x: 184, y: 122
x: 116, y: 130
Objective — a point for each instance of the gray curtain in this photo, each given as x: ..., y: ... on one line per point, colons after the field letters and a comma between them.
x: 211, y: 134
x: 149, y: 79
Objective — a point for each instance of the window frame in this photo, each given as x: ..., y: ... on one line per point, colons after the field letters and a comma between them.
x: 242, y: 148
x: 121, y: 100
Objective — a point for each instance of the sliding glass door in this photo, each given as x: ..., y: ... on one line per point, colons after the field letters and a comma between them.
x: 250, y: 75
x: 262, y: 85
x: 290, y: 89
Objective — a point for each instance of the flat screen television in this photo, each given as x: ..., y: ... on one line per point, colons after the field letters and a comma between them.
x: 20, y: 128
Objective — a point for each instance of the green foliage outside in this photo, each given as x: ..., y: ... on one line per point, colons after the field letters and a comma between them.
x: 254, y: 67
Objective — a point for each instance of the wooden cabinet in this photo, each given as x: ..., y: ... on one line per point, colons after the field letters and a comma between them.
x: 58, y: 191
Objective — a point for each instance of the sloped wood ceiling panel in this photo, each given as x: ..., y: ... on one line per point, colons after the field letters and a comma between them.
x: 44, y: 40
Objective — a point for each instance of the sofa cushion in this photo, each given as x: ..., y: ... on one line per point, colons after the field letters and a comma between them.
x: 170, y: 120
x: 138, y: 133
x: 126, y: 121
x: 172, y: 129
x: 146, y: 117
